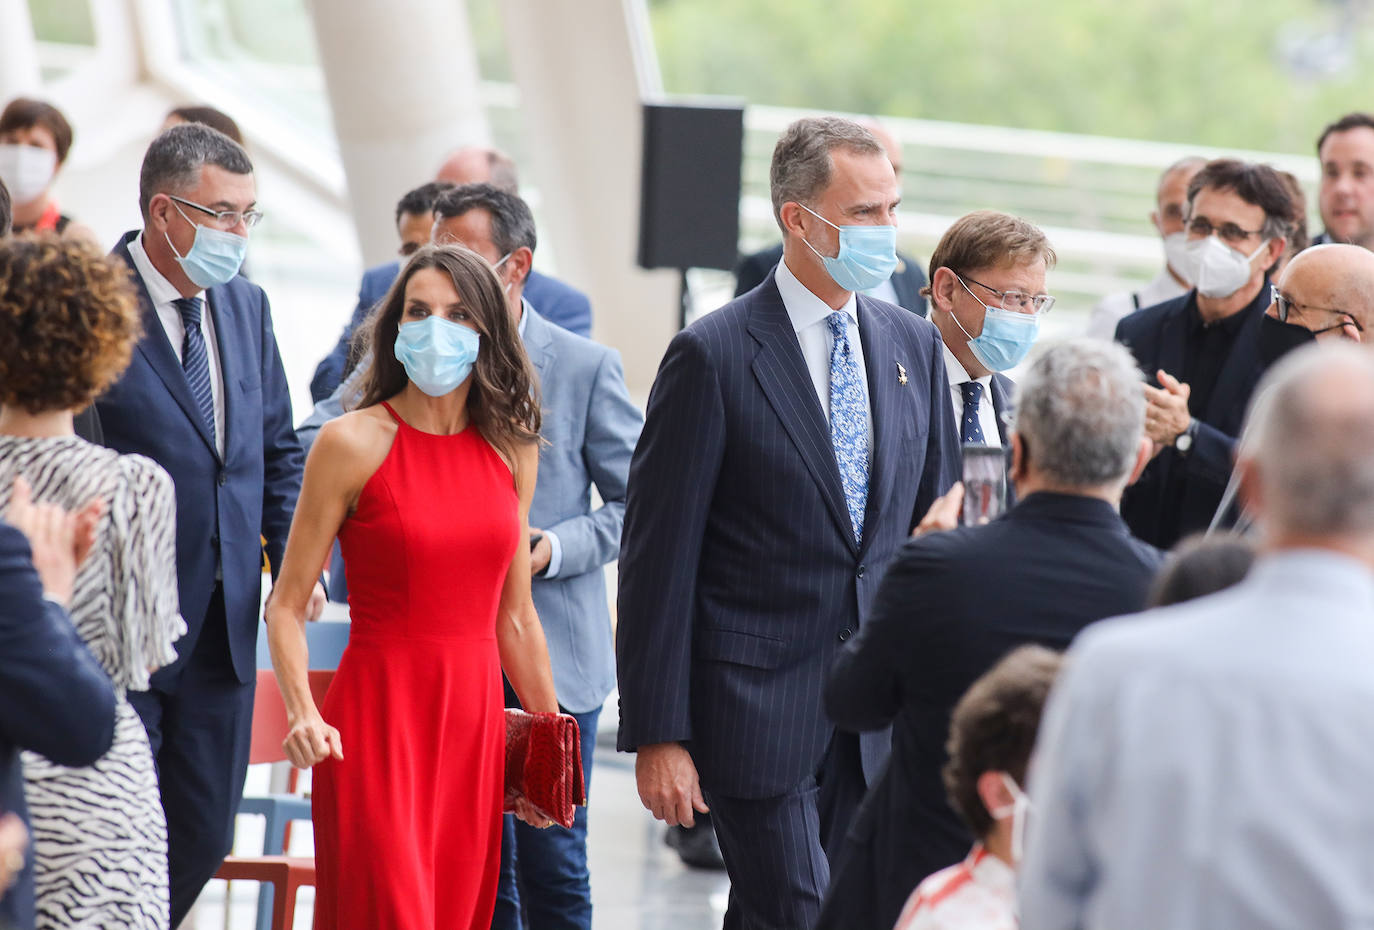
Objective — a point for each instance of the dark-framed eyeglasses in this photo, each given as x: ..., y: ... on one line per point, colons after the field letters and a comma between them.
x: 1015, y: 301
x: 228, y: 219
x: 1201, y: 227
x: 1290, y: 311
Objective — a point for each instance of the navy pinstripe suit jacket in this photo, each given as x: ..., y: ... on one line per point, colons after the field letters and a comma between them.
x: 739, y: 572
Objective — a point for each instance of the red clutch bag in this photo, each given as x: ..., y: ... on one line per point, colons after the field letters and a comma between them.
x: 544, y: 764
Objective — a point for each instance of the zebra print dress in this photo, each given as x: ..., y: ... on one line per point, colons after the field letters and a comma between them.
x: 99, y: 839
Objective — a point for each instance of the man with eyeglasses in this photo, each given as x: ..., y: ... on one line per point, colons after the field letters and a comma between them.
x: 205, y: 397
x: 1201, y: 352
x: 987, y: 297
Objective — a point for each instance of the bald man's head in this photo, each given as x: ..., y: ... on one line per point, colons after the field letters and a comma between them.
x: 1331, y: 291
x: 477, y: 164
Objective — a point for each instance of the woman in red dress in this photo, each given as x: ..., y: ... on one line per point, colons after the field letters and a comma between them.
x: 427, y: 486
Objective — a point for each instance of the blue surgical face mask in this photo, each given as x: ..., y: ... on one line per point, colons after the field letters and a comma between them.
x: 1006, y: 338
x: 437, y: 354
x: 215, y: 256
x: 868, y: 254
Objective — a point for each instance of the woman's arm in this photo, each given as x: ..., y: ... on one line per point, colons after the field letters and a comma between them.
x: 520, y: 638
x: 328, y: 490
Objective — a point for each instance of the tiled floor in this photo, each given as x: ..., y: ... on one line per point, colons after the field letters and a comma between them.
x: 637, y: 882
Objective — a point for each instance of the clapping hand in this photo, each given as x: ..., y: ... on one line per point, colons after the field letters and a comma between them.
x: 1166, y: 409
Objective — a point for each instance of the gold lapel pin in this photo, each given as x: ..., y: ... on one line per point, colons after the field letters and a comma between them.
x: 901, y: 374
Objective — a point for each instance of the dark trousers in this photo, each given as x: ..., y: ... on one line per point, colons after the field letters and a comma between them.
x: 544, y: 880
x: 775, y: 849
x: 199, y: 727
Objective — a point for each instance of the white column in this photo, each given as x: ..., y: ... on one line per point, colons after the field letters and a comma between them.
x: 583, y: 69
x: 403, y: 89
x: 19, y: 74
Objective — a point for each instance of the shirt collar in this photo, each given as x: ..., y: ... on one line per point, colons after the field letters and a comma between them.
x: 525, y: 309
x: 958, y: 374
x: 160, y: 290
x: 990, y: 872
x: 804, y: 308
x: 1338, y: 576
x: 1229, y: 325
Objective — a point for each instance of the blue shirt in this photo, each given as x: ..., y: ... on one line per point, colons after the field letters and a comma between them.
x: 1209, y: 765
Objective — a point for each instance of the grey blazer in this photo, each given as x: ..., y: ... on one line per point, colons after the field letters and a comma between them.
x: 590, y: 428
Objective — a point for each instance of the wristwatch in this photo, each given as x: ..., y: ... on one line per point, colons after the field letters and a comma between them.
x: 1183, y: 442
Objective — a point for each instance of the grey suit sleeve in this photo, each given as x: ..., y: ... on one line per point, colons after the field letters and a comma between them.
x: 944, y: 457
x: 330, y: 407
x: 589, y: 541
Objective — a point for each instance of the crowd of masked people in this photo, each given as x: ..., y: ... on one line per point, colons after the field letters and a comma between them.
x: 832, y: 665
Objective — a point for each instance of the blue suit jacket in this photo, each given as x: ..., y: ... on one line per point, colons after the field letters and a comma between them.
x: 54, y: 696
x: 740, y: 575
x: 1158, y: 338
x: 559, y: 303
x: 591, y: 427
x: 223, y: 507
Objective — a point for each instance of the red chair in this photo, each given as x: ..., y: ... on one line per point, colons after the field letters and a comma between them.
x: 286, y: 874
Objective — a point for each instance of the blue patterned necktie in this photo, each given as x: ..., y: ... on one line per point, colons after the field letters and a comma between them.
x: 970, y: 430
x: 848, y: 421
x: 195, y: 361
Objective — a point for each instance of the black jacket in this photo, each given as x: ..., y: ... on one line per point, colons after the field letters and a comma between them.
x: 1158, y: 338
x: 951, y: 605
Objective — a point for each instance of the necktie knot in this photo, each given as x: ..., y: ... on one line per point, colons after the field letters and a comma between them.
x: 839, y: 328
x: 973, y: 393
x: 189, y: 308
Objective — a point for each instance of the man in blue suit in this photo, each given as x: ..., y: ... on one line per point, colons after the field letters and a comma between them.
x: 590, y: 425
x: 558, y: 303
x: 205, y: 397
x: 54, y: 696
x: 793, y: 439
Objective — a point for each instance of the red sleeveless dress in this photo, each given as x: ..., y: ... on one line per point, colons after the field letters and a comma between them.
x: 408, y: 825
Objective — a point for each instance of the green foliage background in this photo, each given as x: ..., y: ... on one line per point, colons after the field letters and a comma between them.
x: 1205, y: 72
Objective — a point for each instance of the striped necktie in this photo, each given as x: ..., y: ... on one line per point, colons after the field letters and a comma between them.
x: 195, y: 361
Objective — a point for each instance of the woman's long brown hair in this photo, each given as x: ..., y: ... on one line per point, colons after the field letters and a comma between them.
x: 503, y: 400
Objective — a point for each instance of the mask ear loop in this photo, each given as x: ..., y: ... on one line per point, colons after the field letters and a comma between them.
x: 823, y: 220
x: 954, y: 316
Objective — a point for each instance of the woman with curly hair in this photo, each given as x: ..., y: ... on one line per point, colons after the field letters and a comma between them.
x: 68, y: 324
x: 427, y: 486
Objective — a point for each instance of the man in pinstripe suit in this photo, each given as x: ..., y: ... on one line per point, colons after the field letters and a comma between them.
x: 793, y: 439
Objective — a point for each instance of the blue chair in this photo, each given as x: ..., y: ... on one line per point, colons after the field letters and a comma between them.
x: 325, y: 640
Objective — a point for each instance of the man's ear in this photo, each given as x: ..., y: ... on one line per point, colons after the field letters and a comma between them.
x: 942, y: 289
x: 793, y: 219
x: 521, y: 262
x: 1018, y: 458
x: 159, y: 208
x: 1143, y: 454
x: 1276, y: 250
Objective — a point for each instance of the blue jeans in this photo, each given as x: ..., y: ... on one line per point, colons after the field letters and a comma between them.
x: 544, y: 879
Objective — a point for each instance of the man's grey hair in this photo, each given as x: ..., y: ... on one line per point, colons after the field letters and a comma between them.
x: 512, y: 223
x: 1080, y: 413
x: 173, y: 161
x: 801, y: 159
x: 1311, y: 435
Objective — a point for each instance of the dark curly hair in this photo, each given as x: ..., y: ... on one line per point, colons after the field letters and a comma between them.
x: 69, y: 319
x: 994, y: 726
x: 503, y: 401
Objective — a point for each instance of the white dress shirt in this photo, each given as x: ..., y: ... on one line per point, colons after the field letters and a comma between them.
x: 1208, y: 764
x: 162, y: 293
x: 1114, y: 308
x: 987, y: 413
x: 808, y: 314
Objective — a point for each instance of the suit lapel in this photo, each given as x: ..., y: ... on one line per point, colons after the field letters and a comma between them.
x: 1001, y: 404
x: 783, y: 377
x: 158, y: 352
x: 538, y: 345
x: 884, y: 399
x: 221, y: 312
x: 1173, y: 342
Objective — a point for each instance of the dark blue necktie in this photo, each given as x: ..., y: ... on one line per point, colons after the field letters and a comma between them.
x: 970, y: 430
x: 195, y: 361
